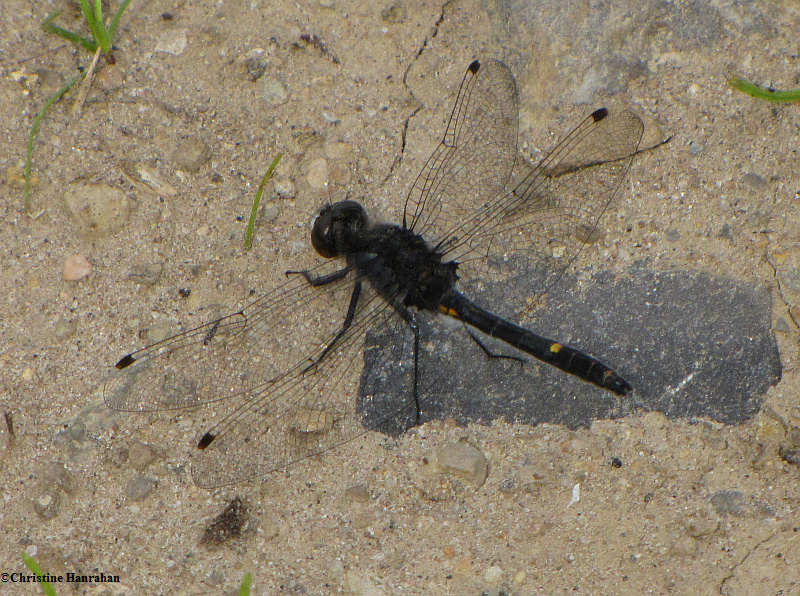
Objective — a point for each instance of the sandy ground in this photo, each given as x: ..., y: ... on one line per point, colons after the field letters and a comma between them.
x: 178, y: 132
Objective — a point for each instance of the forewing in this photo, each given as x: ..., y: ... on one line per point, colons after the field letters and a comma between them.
x: 474, y: 160
x: 554, y: 209
x: 224, y: 358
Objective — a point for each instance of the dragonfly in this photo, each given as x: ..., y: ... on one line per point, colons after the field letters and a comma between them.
x: 278, y: 371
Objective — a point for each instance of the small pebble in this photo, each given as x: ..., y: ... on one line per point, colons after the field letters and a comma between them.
x: 396, y: 13
x: 464, y: 460
x: 769, y: 428
x: 317, y: 173
x: 284, y: 188
x: 357, y: 494
x: 255, y: 63
x: 274, y: 92
x: 172, y: 42
x: 139, y: 487
x: 92, y: 420
x: 508, y: 486
x: 191, y: 154
x: 789, y: 455
x: 119, y: 456
x: 700, y: 525
x: 794, y: 436
x: 64, y: 329
x: 140, y: 456
x: 97, y: 209
x: 338, y: 150
x: 729, y: 502
x: 493, y: 574
x: 110, y: 77
x: 77, y: 431
x: 158, y: 331
x: 270, y: 212
x: 340, y: 175
x: 46, y: 505
x: 56, y: 475
x: 76, y: 267
x: 147, y: 275
x: 754, y: 181
x: 151, y: 177
x: 576, y: 495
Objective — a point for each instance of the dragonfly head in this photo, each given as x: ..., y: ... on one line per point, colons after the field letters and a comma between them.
x: 336, y: 228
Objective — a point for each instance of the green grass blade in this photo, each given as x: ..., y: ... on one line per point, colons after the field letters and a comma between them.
x: 37, y: 122
x: 762, y: 92
x: 247, y: 582
x: 49, y: 27
x: 88, y: 15
x: 115, y: 21
x: 102, y: 37
x: 98, y: 27
x: 251, y: 223
x: 31, y: 564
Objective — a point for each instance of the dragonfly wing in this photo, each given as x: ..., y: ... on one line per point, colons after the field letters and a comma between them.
x: 276, y: 372
x: 474, y: 160
x: 308, y: 410
x: 225, y: 357
x: 555, y: 207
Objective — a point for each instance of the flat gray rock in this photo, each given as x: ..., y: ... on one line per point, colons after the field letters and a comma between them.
x: 690, y: 344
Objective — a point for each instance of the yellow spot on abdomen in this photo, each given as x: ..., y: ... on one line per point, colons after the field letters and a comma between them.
x: 556, y: 348
x: 449, y: 311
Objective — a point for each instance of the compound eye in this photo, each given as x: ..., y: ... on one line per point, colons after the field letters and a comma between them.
x: 322, y: 235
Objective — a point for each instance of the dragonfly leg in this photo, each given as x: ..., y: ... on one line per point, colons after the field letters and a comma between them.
x: 348, y: 320
x: 321, y: 280
x: 488, y: 352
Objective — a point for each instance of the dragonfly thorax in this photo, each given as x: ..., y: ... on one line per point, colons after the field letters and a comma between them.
x: 402, y: 265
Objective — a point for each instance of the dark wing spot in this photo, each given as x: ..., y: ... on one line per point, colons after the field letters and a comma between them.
x: 125, y: 361
x: 206, y: 440
x: 598, y: 115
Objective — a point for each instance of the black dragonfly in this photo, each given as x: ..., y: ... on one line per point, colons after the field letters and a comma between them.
x: 278, y: 369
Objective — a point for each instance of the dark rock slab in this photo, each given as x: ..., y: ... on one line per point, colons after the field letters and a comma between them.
x: 691, y: 344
